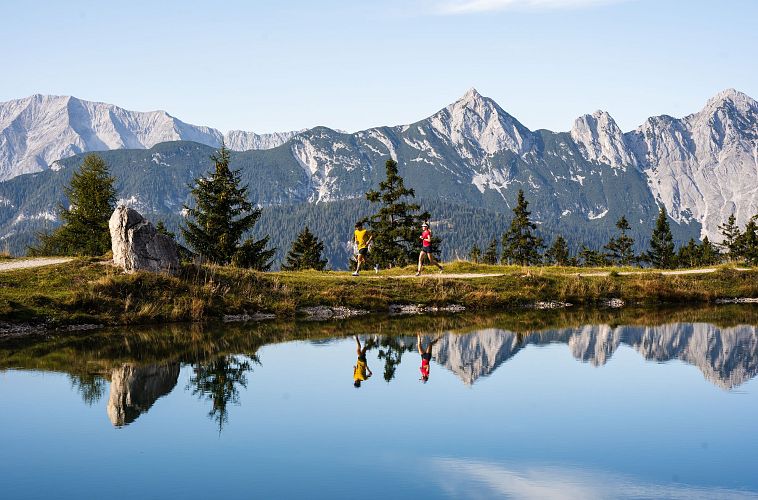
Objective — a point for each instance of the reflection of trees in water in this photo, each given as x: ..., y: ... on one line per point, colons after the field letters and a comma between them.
x: 391, y: 350
x: 90, y: 386
x: 219, y: 381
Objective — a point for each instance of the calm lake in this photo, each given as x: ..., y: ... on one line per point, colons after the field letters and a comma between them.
x: 541, y: 404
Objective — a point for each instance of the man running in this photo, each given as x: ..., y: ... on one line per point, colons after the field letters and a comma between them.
x: 426, y: 248
x: 361, y: 371
x: 362, y: 239
x: 426, y: 357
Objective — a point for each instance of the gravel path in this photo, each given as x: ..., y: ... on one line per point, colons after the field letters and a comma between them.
x: 27, y: 263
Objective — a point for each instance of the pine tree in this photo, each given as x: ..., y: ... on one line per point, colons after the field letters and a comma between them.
x: 661, y: 254
x: 709, y: 253
x: 160, y: 226
x: 747, y: 242
x: 592, y: 258
x: 558, y: 253
x: 620, y: 250
x: 731, y: 233
x: 475, y: 254
x: 222, y: 215
x: 305, y: 253
x: 520, y: 245
x: 396, y: 224
x: 689, y: 254
x: 91, y: 198
x: 490, y: 254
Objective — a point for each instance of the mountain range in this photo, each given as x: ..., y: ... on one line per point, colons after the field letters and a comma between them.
x: 727, y: 357
x: 471, y: 154
x: 38, y: 130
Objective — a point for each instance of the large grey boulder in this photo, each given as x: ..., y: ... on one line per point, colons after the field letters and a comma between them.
x: 138, y: 246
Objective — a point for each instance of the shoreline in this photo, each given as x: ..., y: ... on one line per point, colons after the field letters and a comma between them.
x: 82, y: 293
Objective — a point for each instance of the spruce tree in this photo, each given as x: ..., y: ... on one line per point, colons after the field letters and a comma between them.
x: 709, y: 253
x: 475, y: 254
x: 747, y: 243
x: 592, y: 258
x: 520, y: 244
x: 490, y: 254
x: 689, y: 254
x: 305, y: 253
x: 731, y: 233
x: 661, y: 254
x: 396, y: 225
x: 92, y: 198
x: 222, y: 215
x: 620, y: 249
x: 558, y: 253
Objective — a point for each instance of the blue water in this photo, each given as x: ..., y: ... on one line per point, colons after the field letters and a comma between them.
x: 590, y: 412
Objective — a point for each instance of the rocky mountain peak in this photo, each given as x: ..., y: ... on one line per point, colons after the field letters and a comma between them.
x: 601, y: 140
x: 476, y: 125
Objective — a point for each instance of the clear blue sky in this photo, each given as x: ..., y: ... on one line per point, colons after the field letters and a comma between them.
x: 275, y: 65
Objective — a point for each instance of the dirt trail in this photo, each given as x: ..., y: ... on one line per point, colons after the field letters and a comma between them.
x: 442, y: 275
x: 28, y: 263
x: 665, y: 273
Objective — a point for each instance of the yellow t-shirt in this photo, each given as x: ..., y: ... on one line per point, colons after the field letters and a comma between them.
x: 359, y: 373
x: 361, y: 238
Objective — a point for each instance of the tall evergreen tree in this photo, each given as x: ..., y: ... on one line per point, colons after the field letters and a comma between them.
x: 747, y: 242
x: 475, y: 254
x: 91, y: 198
x: 558, y: 253
x: 222, y: 215
x: 620, y: 249
x: 709, y: 253
x: 490, y: 254
x: 306, y: 253
x: 731, y: 233
x: 396, y: 224
x: 661, y: 254
x: 520, y: 244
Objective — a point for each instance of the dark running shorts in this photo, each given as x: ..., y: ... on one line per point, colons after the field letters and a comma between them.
x: 426, y: 249
x: 362, y: 358
x: 363, y: 251
x: 427, y: 356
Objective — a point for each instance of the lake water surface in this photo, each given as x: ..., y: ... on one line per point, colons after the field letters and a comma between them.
x: 632, y: 404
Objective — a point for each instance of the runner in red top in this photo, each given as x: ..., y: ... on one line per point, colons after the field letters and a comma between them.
x: 426, y: 248
x: 426, y: 357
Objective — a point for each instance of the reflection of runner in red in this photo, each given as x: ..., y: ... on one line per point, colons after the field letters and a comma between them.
x: 426, y: 357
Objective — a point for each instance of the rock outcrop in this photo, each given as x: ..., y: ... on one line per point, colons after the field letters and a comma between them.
x: 134, y: 389
x: 138, y: 246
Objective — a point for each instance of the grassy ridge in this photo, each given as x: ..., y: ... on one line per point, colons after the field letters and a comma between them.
x: 89, y: 291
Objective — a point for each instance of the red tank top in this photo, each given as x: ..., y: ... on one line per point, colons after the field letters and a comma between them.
x: 426, y: 234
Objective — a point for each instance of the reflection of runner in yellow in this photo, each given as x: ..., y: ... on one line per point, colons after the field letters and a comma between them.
x: 426, y: 357
x: 361, y: 371
x: 362, y: 239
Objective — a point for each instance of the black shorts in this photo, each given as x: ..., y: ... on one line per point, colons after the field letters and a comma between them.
x: 362, y: 358
x: 363, y: 251
x: 426, y: 249
x: 427, y: 356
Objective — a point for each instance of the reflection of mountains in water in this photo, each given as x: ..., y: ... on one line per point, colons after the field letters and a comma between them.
x: 727, y: 356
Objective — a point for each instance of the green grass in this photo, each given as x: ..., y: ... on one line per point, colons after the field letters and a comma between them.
x: 89, y: 291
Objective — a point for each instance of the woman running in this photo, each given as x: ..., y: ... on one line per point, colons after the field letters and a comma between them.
x: 426, y: 248
x: 426, y: 357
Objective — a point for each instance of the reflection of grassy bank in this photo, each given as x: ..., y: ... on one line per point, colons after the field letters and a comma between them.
x: 90, y: 292
x: 99, y: 352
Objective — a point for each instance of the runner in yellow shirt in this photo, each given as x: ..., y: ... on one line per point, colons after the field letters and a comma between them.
x: 361, y: 371
x: 362, y: 239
